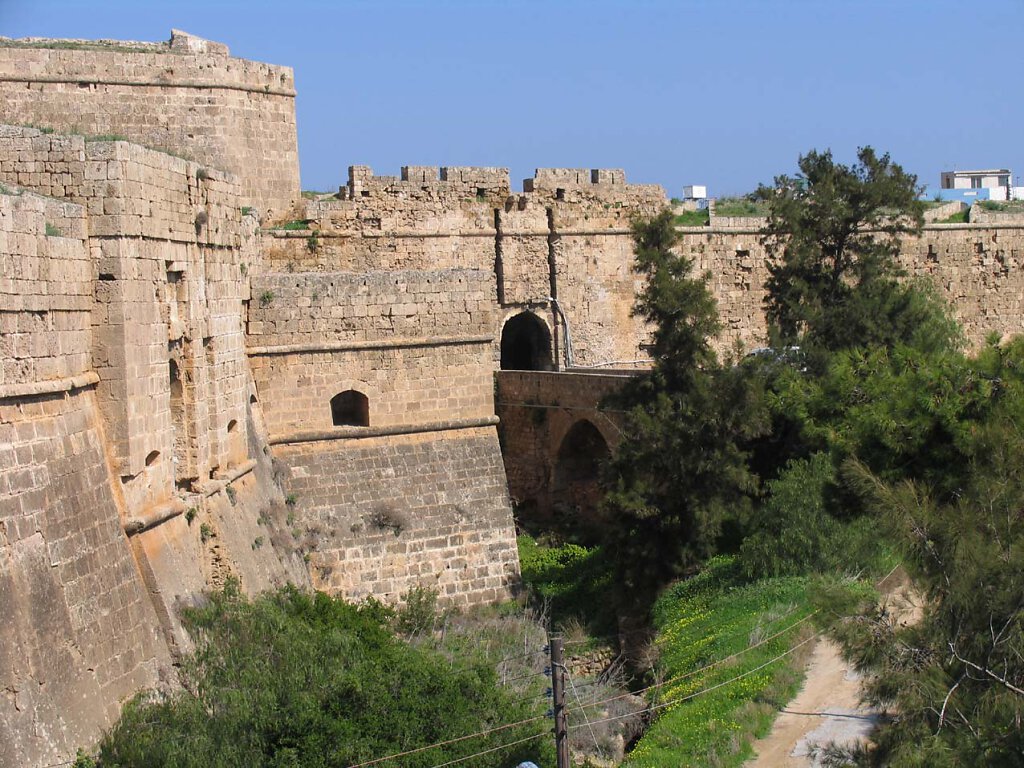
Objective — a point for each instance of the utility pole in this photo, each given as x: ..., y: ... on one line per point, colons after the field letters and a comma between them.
x: 557, y: 645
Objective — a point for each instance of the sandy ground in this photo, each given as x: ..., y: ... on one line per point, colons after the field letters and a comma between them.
x: 827, y: 709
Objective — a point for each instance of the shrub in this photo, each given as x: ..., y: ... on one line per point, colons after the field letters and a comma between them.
x: 793, y: 531
x: 572, y: 581
x: 292, y: 679
x: 387, y: 518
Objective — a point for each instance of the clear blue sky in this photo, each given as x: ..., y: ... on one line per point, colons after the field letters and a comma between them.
x: 722, y: 92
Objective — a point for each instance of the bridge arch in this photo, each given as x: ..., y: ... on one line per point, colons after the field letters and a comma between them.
x: 526, y: 344
x: 576, y: 474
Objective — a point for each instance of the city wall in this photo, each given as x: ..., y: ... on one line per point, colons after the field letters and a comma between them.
x: 566, y: 237
x: 977, y: 267
x: 133, y: 470
x: 186, y: 398
x: 186, y: 96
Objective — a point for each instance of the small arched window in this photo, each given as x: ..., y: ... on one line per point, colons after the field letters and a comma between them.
x: 350, y: 408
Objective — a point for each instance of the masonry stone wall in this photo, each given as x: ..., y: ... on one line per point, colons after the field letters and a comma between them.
x: 187, y: 96
x: 115, y: 507
x: 976, y: 267
x: 398, y: 512
x: 565, y: 237
x: 79, y: 634
x: 164, y: 238
x: 45, y: 291
x: 416, y: 343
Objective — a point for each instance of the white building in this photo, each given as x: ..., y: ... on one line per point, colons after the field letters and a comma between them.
x: 989, y: 179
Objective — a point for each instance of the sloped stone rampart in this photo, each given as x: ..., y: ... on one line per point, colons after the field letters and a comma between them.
x: 397, y: 512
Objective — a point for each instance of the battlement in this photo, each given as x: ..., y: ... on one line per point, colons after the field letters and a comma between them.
x: 608, y: 185
x: 426, y: 181
x: 552, y: 178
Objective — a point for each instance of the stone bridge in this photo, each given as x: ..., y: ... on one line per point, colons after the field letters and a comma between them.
x: 556, y: 431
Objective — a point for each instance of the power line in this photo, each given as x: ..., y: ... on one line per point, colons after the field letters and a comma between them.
x: 583, y: 711
x: 720, y: 661
x: 492, y: 749
x: 715, y: 687
x: 706, y: 667
x: 417, y: 750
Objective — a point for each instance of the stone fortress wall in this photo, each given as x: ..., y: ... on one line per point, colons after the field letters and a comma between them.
x: 187, y: 398
x: 186, y: 96
x: 132, y: 467
x: 977, y: 267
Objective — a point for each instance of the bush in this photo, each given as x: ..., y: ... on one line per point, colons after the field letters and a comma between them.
x: 571, y: 581
x: 793, y: 532
x: 292, y: 679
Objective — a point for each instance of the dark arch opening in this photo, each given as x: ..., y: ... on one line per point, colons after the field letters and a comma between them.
x: 152, y: 457
x: 525, y: 344
x: 231, y: 425
x: 350, y: 408
x: 576, y: 482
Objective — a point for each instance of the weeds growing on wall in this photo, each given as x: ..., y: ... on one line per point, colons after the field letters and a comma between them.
x: 739, y: 207
x: 699, y: 218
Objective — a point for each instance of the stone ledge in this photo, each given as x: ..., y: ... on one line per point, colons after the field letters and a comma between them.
x: 223, y: 479
x: 66, y: 384
x: 154, y: 517
x: 357, y: 433
x: 345, y: 346
x: 155, y: 83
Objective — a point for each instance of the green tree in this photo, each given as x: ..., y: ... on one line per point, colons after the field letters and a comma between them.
x: 954, y: 679
x: 680, y: 477
x: 833, y: 235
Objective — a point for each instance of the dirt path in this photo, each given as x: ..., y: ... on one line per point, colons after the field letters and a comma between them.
x: 827, y: 709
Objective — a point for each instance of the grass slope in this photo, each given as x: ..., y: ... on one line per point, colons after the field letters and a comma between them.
x: 706, y: 619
